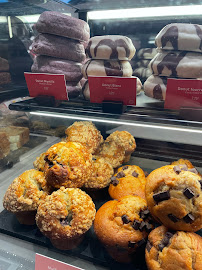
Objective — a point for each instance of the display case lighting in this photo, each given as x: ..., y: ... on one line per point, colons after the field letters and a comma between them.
x: 117, y: 122
x: 167, y: 11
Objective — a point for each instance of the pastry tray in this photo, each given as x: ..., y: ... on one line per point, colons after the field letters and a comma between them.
x: 90, y: 249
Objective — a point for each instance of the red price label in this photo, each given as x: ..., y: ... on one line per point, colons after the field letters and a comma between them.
x: 112, y: 89
x: 183, y: 93
x: 47, y: 84
x: 46, y: 263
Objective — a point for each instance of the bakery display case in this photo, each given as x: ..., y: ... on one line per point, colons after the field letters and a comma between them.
x: 101, y: 185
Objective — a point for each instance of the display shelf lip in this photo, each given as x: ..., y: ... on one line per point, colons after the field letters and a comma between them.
x: 134, y: 114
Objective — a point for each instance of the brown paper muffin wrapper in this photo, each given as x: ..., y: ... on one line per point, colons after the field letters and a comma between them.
x: 67, y: 244
x: 26, y: 217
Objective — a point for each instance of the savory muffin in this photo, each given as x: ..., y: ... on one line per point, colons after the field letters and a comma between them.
x: 122, y: 226
x: 85, y: 133
x: 101, y: 174
x: 124, y: 139
x: 169, y: 250
x: 68, y: 164
x: 39, y: 163
x: 174, y: 197
x: 129, y: 180
x: 24, y: 194
x: 112, y: 152
x: 65, y: 216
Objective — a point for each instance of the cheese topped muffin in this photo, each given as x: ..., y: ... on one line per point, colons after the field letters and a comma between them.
x: 68, y: 164
x: 65, y: 216
x: 86, y: 133
x: 24, y: 194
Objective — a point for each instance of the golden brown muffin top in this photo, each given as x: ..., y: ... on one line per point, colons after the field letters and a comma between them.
x: 124, y: 139
x: 68, y: 164
x: 127, y: 185
x: 183, y: 162
x: 112, y: 153
x: 26, y: 191
x: 86, y: 133
x: 39, y: 163
x: 132, y: 170
x: 101, y: 175
x: 122, y: 222
x: 66, y: 213
x: 171, y: 186
x: 169, y: 250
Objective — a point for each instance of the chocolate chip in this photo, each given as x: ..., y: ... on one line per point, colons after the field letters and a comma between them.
x: 146, y: 174
x: 193, y: 170
x: 135, y: 174
x: 141, y: 242
x: 148, y: 246
x: 200, y: 181
x: 114, y: 181
x: 125, y: 219
x: 188, y: 193
x: 173, y: 218
x: 136, y: 224
x: 169, y: 234
x: 184, y: 167
x: 120, y: 175
x: 162, y: 196
x: 125, y: 167
x: 144, y: 214
x: 94, y: 158
x: 148, y: 227
x: 142, y: 226
x: 177, y: 169
x: 189, y: 218
x: 131, y: 244
x: 50, y: 164
x: 161, y: 247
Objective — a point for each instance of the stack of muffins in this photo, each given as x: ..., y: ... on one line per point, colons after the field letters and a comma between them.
x: 144, y: 56
x: 60, y: 48
x: 5, y: 77
x: 179, y: 56
x: 109, y: 56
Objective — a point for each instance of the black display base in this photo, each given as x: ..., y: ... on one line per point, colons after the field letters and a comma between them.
x: 90, y: 249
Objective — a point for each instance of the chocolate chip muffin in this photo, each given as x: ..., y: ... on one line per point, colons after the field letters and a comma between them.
x: 112, y: 152
x: 101, y: 175
x: 185, y: 162
x: 68, y: 164
x: 122, y: 226
x: 24, y: 194
x: 174, y: 197
x: 169, y: 250
x: 129, y: 180
x: 39, y: 163
x: 65, y: 216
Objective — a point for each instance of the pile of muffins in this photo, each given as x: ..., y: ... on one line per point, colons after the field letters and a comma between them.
x: 55, y: 195
x: 50, y: 194
x: 108, y: 56
x: 60, y: 48
x: 179, y: 56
